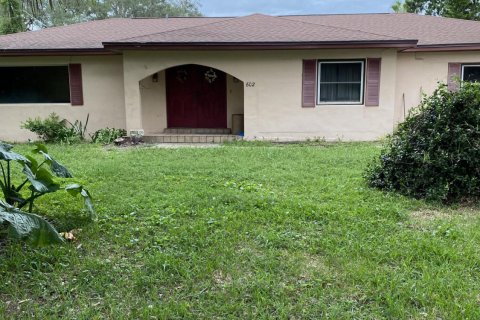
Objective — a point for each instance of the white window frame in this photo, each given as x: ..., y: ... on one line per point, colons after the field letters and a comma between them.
x: 468, y: 65
x: 362, y: 82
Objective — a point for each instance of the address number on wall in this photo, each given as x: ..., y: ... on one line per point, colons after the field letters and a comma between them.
x: 250, y: 84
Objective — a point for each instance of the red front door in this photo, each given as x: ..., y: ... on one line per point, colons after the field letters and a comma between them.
x: 196, y: 97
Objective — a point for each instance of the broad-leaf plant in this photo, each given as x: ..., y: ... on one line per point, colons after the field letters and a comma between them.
x: 40, y: 177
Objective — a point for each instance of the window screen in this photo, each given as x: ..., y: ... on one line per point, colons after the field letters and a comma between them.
x: 34, y: 85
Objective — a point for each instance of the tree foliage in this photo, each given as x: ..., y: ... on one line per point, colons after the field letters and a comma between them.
x: 11, y: 14
x: 460, y: 9
x: 36, y: 14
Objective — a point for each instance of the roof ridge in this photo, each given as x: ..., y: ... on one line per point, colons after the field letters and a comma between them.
x: 167, y: 31
x: 428, y: 16
x: 336, y: 14
x: 343, y: 28
x: 181, y: 17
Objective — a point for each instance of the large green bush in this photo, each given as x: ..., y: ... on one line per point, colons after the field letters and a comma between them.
x: 435, y: 152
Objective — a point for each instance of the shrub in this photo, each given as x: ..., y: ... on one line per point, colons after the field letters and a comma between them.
x: 52, y: 129
x: 435, y: 152
x: 107, y: 135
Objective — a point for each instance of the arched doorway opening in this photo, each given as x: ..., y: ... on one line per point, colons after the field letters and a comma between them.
x: 192, y: 98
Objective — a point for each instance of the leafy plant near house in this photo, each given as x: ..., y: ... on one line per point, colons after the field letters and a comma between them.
x: 79, y: 128
x: 107, y: 135
x: 53, y: 129
x: 39, y: 179
x: 435, y: 153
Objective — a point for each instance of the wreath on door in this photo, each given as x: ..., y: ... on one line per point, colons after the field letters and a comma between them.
x: 182, y: 75
x: 211, y: 76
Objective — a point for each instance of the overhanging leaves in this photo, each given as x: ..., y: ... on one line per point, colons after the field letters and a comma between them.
x: 26, y: 226
x: 41, y: 181
x: 58, y: 169
x: 76, y: 189
x: 7, y: 155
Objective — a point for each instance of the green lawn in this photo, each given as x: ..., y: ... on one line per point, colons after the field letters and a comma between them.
x: 248, y: 231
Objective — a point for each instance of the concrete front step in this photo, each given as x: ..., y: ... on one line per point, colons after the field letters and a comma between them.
x: 224, y: 131
x: 190, y: 138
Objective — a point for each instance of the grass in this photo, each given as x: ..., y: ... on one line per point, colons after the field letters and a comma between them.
x: 249, y: 231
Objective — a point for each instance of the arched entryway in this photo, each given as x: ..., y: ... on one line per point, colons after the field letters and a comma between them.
x: 196, y: 97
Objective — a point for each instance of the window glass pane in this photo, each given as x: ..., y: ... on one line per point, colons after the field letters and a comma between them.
x: 34, y: 85
x: 471, y: 73
x: 340, y: 92
x: 341, y: 72
x: 340, y: 82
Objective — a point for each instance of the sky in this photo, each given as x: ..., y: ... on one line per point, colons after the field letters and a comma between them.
x: 218, y: 8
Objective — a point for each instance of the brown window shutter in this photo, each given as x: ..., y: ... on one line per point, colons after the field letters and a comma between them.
x: 309, y: 83
x: 76, y: 87
x: 372, y: 91
x: 454, y: 74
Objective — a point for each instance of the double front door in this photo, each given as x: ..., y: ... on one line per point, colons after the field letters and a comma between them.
x: 196, y: 97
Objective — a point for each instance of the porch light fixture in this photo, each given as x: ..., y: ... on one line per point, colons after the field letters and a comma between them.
x: 155, y: 77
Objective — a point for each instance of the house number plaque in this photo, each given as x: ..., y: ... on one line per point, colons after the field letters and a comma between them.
x: 250, y: 84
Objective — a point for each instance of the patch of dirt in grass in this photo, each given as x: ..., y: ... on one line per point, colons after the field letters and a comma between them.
x: 311, y: 266
x: 427, y: 215
x: 314, y: 263
x: 222, y: 279
x: 12, y: 308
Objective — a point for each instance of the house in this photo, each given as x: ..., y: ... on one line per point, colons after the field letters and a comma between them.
x: 349, y: 77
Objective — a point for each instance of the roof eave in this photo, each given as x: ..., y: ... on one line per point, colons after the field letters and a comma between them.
x: 56, y: 52
x: 445, y: 47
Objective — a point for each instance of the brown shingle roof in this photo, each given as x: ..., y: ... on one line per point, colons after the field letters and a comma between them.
x: 90, y: 35
x: 357, y: 28
x: 259, y: 28
x: 428, y: 30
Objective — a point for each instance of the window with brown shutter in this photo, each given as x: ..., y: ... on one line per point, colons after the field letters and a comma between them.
x: 372, y: 90
x: 309, y: 83
x: 76, y: 87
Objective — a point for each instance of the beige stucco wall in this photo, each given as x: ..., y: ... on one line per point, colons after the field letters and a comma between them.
x: 102, y: 90
x: 118, y: 91
x: 419, y: 73
x: 235, y: 93
x: 272, y: 107
x: 154, y: 102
